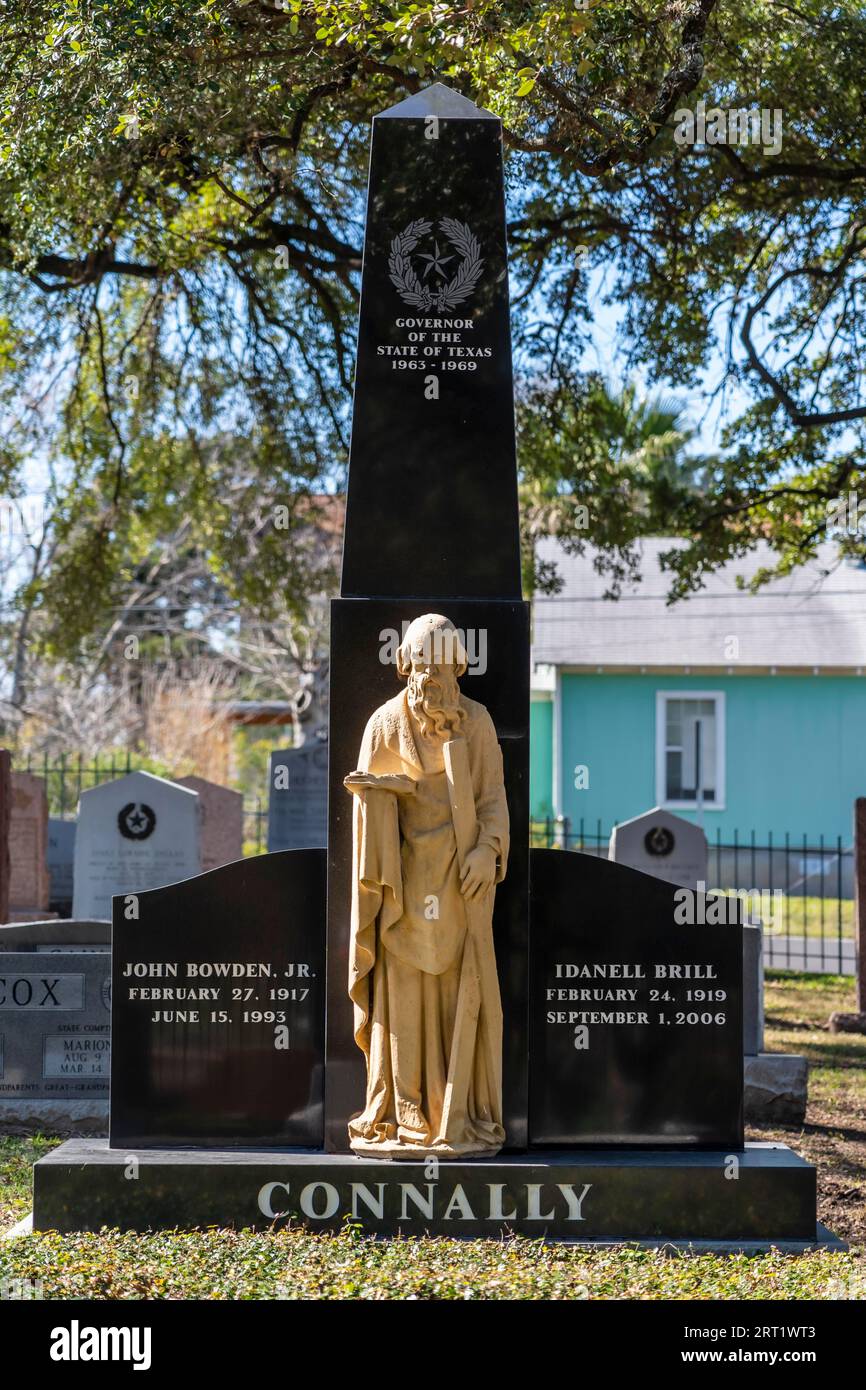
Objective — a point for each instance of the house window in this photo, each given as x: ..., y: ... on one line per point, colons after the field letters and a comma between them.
x: 690, y: 748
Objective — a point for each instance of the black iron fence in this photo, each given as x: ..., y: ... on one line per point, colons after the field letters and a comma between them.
x: 255, y: 825
x: 801, y: 889
x: 68, y: 775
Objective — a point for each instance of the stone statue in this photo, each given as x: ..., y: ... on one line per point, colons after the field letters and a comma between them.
x: 430, y: 844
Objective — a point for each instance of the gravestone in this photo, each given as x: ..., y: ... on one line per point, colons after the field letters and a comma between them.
x: 776, y: 1083
x: 61, y: 860
x: 635, y: 1134
x: 636, y: 1036
x: 28, y: 848
x: 218, y: 1012
x: 136, y: 833
x: 298, y: 798
x: 221, y: 812
x: 54, y: 1042
x: 53, y: 935
x: 753, y: 990
x: 663, y: 845
x: 675, y: 850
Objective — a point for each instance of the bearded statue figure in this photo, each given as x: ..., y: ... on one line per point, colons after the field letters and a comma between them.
x: 430, y: 838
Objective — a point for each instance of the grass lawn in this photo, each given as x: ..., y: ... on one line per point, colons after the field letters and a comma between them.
x: 830, y: 918
x: 17, y: 1157
x: 827, y: 917
x: 295, y: 1264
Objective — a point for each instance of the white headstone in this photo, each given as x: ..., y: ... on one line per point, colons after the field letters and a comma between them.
x: 663, y: 845
x: 136, y: 833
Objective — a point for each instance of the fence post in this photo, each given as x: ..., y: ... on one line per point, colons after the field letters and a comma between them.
x: 860, y: 899
x: 856, y: 1023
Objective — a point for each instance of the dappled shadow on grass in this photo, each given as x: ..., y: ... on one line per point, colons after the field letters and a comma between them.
x: 822, y: 1052
x: 298, y: 1264
x: 834, y: 1134
x: 17, y: 1156
x: 790, y: 1025
x: 852, y: 1136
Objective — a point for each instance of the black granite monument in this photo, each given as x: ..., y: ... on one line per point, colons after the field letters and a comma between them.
x: 622, y: 1059
x: 431, y: 514
x: 636, y: 1021
x: 218, y: 1007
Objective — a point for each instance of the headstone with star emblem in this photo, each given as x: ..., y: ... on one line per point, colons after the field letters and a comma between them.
x: 664, y: 845
x: 136, y: 833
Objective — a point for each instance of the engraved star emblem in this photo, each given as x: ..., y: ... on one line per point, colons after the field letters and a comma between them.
x: 436, y: 261
x: 136, y: 821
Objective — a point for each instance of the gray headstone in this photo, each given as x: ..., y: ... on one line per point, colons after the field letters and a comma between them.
x: 663, y: 845
x: 298, y: 802
x: 56, y: 935
x: 134, y: 834
x: 54, y: 1040
x: 61, y: 857
x: 776, y: 1088
x: 753, y: 990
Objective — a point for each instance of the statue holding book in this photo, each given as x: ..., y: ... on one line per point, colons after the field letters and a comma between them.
x: 430, y: 837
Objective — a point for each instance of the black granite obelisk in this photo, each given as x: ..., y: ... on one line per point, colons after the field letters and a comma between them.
x: 431, y: 521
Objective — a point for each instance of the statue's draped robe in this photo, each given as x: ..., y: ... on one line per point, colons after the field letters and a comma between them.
x: 409, y: 929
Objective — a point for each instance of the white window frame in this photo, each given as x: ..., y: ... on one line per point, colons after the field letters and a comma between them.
x: 662, y: 696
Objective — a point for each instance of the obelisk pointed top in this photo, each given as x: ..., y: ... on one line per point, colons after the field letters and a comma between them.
x: 437, y: 100
x: 431, y: 508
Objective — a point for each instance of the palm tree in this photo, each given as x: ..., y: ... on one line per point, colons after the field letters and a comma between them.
x: 602, y: 465
x: 646, y: 434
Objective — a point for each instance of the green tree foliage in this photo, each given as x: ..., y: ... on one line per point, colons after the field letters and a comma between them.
x: 588, y: 442
x: 181, y: 214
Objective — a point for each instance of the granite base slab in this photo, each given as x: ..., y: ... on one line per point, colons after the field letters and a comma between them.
x: 776, y: 1088
x: 762, y: 1193
x: 54, y: 1117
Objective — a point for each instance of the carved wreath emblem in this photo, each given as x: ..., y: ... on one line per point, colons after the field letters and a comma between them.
x: 136, y: 821
x: 419, y: 291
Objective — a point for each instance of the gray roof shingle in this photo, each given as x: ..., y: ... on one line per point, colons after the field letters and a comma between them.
x: 810, y: 619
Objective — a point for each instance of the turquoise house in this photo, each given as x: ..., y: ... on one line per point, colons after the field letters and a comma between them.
x: 744, y: 711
